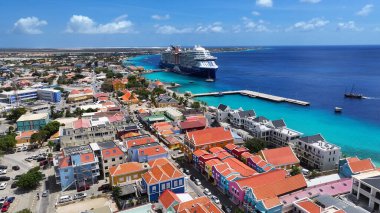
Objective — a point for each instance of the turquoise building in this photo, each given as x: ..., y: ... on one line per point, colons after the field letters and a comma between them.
x: 32, y: 121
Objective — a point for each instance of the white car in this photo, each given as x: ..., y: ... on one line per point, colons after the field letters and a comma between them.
x: 215, y: 199
x: 197, y: 182
x: 80, y: 196
x: 3, y: 171
x: 3, y: 185
x: 207, y: 192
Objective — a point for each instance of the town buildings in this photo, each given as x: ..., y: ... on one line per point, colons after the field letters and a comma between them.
x: 280, y: 158
x: 366, y: 189
x: 32, y: 121
x: 78, y: 95
x: 353, y: 165
x: 109, y: 155
x: 163, y: 175
x: 315, y: 152
x: 127, y: 173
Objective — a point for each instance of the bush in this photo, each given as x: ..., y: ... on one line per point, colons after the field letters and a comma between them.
x: 255, y: 145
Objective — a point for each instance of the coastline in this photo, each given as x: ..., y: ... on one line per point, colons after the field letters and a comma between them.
x: 335, y: 128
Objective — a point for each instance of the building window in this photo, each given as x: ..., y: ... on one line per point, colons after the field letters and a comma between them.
x: 175, y: 183
x: 113, y: 159
x: 162, y: 186
x: 105, y: 161
x: 168, y: 185
x: 180, y: 182
x: 153, y: 188
x: 106, y: 167
x: 121, y: 158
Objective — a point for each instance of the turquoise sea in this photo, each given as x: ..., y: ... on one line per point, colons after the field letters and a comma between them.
x: 357, y: 135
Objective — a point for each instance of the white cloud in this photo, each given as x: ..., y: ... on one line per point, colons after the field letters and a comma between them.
x: 85, y: 25
x: 366, y: 10
x: 313, y: 24
x: 168, y: 29
x: 255, y: 13
x: 311, y: 1
x: 350, y: 25
x: 29, y: 25
x: 163, y: 17
x: 216, y: 27
x: 258, y: 26
x: 264, y: 3
x: 236, y: 29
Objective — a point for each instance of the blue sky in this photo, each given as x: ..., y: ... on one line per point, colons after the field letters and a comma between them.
x: 125, y: 23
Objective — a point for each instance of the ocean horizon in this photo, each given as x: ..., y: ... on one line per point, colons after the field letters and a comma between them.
x: 317, y: 74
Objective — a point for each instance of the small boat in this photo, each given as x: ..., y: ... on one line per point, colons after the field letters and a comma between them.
x: 210, y: 80
x: 191, y: 82
x: 352, y: 94
x: 338, y: 109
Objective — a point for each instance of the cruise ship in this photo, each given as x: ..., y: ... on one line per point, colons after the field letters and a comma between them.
x: 196, y: 61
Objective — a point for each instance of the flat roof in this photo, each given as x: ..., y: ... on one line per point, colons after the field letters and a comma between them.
x: 29, y: 117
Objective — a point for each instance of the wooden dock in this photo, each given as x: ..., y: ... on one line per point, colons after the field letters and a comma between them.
x: 254, y: 94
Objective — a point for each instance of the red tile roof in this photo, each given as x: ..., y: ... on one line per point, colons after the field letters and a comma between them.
x: 82, y: 123
x: 200, y: 152
x: 139, y: 141
x: 193, y: 122
x: 209, y: 136
x: 262, y: 179
x: 231, y: 146
x: 112, y: 152
x: 309, y: 206
x: 199, y: 205
x: 280, y: 156
x: 358, y: 165
x: 215, y: 150
x: 26, y: 134
x: 212, y: 162
x: 87, y: 158
x: 126, y: 168
x: 240, y: 167
x: 153, y: 150
x: 161, y: 172
x: 167, y: 198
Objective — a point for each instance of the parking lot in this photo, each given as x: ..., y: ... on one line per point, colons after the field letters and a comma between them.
x: 23, y: 199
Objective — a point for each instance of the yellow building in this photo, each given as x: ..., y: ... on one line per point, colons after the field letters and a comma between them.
x: 80, y: 95
x: 127, y: 173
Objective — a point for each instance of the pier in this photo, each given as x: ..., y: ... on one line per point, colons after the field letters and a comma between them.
x: 254, y: 94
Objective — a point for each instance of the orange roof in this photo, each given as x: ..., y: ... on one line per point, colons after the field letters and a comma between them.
x: 126, y: 168
x: 87, y: 90
x: 212, y: 162
x: 167, y: 198
x: 262, y: 179
x: 26, y: 134
x: 139, y: 141
x: 280, y: 156
x: 74, y: 92
x: 246, y: 155
x: 364, y: 165
x: 309, y: 206
x: 87, y: 157
x: 161, y: 172
x: 200, y: 205
x: 209, y: 136
x: 230, y: 146
x: 200, y: 152
x: 280, y: 187
x: 158, y: 162
x: 215, y: 150
x: 112, y: 152
x: 271, y: 202
x: 223, y: 155
x: 240, y: 167
x: 65, y: 162
x: 153, y: 150
x: 129, y: 134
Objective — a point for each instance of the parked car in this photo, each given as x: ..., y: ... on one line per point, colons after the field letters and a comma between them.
x: 15, y: 168
x: 192, y: 177
x: 226, y: 209
x: 3, y: 185
x: 11, y: 199
x: 4, y: 208
x: 186, y: 171
x: 83, y: 188
x: 4, y: 178
x: 197, y: 182
x: 3, y: 171
x: 215, y: 199
x: 3, y: 199
x: 3, y: 167
x: 39, y: 159
x: 104, y: 187
x: 45, y: 193
x: 207, y: 192
x: 65, y: 199
x: 80, y: 196
x: 29, y: 159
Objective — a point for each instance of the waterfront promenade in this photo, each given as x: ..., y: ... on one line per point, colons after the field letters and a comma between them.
x: 254, y: 94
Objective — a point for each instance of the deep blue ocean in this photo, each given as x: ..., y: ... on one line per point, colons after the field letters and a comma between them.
x: 317, y: 74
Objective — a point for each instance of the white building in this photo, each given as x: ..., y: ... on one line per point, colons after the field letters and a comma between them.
x: 258, y: 127
x: 238, y: 117
x: 90, y: 130
x: 282, y: 135
x: 317, y: 153
x: 222, y: 113
x: 366, y: 189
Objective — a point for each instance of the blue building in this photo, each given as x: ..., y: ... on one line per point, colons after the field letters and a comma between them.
x: 32, y: 121
x: 51, y: 95
x: 163, y: 175
x: 26, y: 95
x: 75, y: 169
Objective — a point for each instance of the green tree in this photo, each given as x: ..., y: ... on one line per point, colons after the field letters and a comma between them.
x: 7, y: 142
x: 116, y: 192
x: 31, y: 179
x: 39, y: 137
x: 15, y: 114
x: 118, y: 75
x: 51, y: 145
x: 60, y: 89
x: 255, y: 145
x: 110, y: 74
x: 107, y: 86
x: 295, y: 170
x: 196, y: 105
x: 52, y: 127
